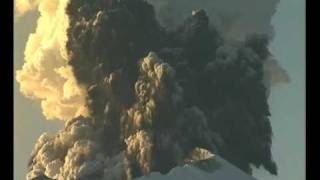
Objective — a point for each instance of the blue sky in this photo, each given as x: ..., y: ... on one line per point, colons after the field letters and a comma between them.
x: 287, y: 102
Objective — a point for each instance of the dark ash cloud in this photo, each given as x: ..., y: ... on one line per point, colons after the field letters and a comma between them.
x: 154, y: 95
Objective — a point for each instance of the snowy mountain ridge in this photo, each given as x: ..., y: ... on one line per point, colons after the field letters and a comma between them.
x: 213, y: 168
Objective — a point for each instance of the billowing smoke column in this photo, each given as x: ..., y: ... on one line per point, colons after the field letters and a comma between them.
x: 234, y: 19
x: 46, y: 74
x: 140, y: 97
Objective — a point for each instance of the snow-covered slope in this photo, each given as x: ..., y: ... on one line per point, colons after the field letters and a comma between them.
x: 215, y: 168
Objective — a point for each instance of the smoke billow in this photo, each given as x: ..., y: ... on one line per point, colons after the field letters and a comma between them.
x: 138, y: 96
x: 46, y: 74
x: 23, y: 6
x: 235, y: 19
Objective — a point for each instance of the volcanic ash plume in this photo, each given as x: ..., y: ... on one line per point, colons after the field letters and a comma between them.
x: 23, y: 6
x: 46, y: 74
x: 138, y: 97
x: 235, y: 19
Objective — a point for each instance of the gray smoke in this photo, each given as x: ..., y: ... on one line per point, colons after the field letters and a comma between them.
x: 155, y: 95
x: 234, y: 19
